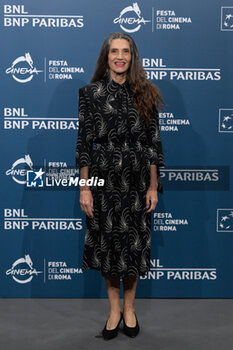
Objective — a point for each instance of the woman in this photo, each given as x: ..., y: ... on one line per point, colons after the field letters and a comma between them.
x: 119, y: 141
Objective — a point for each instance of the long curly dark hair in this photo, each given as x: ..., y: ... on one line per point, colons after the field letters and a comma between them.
x: 146, y: 96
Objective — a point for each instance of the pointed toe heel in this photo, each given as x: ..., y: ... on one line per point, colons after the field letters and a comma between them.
x: 111, y: 333
x: 132, y: 332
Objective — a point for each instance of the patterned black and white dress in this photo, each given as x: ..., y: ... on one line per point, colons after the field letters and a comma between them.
x: 117, y: 146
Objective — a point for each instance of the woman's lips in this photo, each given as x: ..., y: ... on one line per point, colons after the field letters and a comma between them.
x: 120, y: 64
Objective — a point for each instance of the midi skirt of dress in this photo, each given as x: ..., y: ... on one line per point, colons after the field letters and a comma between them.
x: 117, y: 146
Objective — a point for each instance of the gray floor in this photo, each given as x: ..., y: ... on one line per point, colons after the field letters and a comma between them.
x: 67, y: 324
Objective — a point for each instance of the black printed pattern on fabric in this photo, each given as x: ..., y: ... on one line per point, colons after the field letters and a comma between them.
x: 117, y: 146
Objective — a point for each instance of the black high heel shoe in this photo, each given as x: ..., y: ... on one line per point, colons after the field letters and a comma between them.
x: 132, y: 332
x: 111, y: 333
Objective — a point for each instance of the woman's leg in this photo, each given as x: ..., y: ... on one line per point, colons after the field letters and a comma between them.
x: 113, y: 290
x: 129, y: 284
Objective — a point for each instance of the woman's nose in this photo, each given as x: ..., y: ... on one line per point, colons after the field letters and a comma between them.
x: 120, y: 54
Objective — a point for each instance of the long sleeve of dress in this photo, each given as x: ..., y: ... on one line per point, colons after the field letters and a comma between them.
x: 154, y: 141
x: 155, y: 149
x: 85, y: 134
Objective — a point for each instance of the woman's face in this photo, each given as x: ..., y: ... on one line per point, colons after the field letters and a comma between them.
x: 119, y: 56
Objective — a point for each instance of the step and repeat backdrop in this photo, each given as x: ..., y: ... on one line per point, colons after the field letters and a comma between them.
x: 48, y: 51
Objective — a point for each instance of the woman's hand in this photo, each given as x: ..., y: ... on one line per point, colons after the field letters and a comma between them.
x: 86, y: 202
x: 151, y: 199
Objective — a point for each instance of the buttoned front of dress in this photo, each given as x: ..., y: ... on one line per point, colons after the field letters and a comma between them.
x: 116, y: 145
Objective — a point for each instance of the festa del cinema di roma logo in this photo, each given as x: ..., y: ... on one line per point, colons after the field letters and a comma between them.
x: 130, y: 19
x: 19, y: 174
x: 22, y: 270
x: 22, y: 69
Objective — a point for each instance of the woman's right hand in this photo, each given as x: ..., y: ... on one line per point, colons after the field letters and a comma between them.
x: 86, y: 202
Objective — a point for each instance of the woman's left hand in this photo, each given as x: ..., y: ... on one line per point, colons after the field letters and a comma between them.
x: 151, y: 199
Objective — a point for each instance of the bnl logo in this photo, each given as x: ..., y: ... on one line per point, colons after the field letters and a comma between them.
x: 225, y: 120
x: 225, y: 220
x: 226, y: 18
x: 35, y: 178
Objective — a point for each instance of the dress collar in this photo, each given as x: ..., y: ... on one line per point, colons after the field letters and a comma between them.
x: 113, y: 86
